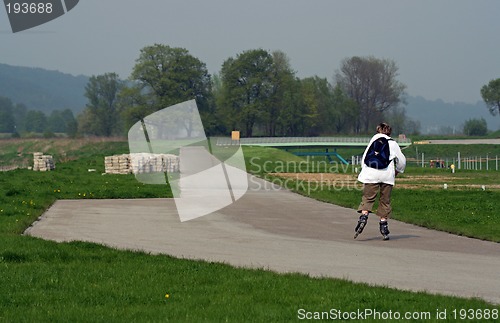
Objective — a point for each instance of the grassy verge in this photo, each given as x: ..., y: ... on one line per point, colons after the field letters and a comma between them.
x: 46, y: 281
x: 71, y: 282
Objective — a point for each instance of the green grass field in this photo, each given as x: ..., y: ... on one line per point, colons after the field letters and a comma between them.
x: 46, y: 281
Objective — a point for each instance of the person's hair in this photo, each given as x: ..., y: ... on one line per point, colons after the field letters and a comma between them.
x: 384, y: 128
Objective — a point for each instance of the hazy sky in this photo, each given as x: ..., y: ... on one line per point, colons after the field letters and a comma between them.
x: 445, y: 49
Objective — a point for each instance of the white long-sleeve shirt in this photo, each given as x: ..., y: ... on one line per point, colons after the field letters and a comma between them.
x: 386, y: 175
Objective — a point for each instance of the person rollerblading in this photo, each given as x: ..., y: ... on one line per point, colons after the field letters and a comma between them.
x: 382, y: 161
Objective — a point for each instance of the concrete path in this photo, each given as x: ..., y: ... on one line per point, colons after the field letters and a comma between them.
x: 278, y: 230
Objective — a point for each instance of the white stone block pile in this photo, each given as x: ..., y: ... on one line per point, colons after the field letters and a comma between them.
x: 43, y: 163
x: 141, y: 163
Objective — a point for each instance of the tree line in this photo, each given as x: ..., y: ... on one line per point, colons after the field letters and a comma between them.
x: 257, y: 92
x: 17, y: 119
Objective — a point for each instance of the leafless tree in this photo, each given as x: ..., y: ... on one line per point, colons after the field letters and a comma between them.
x: 371, y: 83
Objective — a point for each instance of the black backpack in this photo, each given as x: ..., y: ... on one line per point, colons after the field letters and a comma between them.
x: 378, y: 154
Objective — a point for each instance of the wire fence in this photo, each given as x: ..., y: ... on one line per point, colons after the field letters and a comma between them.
x: 459, y: 162
x: 465, y: 163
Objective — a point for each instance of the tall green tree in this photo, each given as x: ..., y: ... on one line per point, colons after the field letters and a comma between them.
x: 296, y: 118
x: 372, y: 83
x: 70, y: 124
x: 62, y: 121
x: 491, y: 96
x: 247, y: 89
x: 283, y: 83
x: 101, y: 112
x: 315, y: 96
x: 35, y: 121
x: 55, y: 122
x: 214, y: 120
x: 86, y: 123
x: 164, y: 76
x: 134, y: 105
x: 6, y: 115
x: 327, y: 110
x: 19, y: 112
x: 341, y: 112
x: 398, y: 120
x: 475, y: 127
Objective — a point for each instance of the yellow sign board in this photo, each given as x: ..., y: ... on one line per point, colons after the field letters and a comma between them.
x: 235, y: 135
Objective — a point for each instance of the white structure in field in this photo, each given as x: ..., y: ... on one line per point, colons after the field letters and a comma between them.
x: 142, y: 163
x: 43, y: 162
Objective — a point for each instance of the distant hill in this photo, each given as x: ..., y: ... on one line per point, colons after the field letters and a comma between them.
x: 437, y: 114
x: 41, y: 89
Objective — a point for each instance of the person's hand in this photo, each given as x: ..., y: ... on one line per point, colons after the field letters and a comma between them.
x: 397, y: 173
